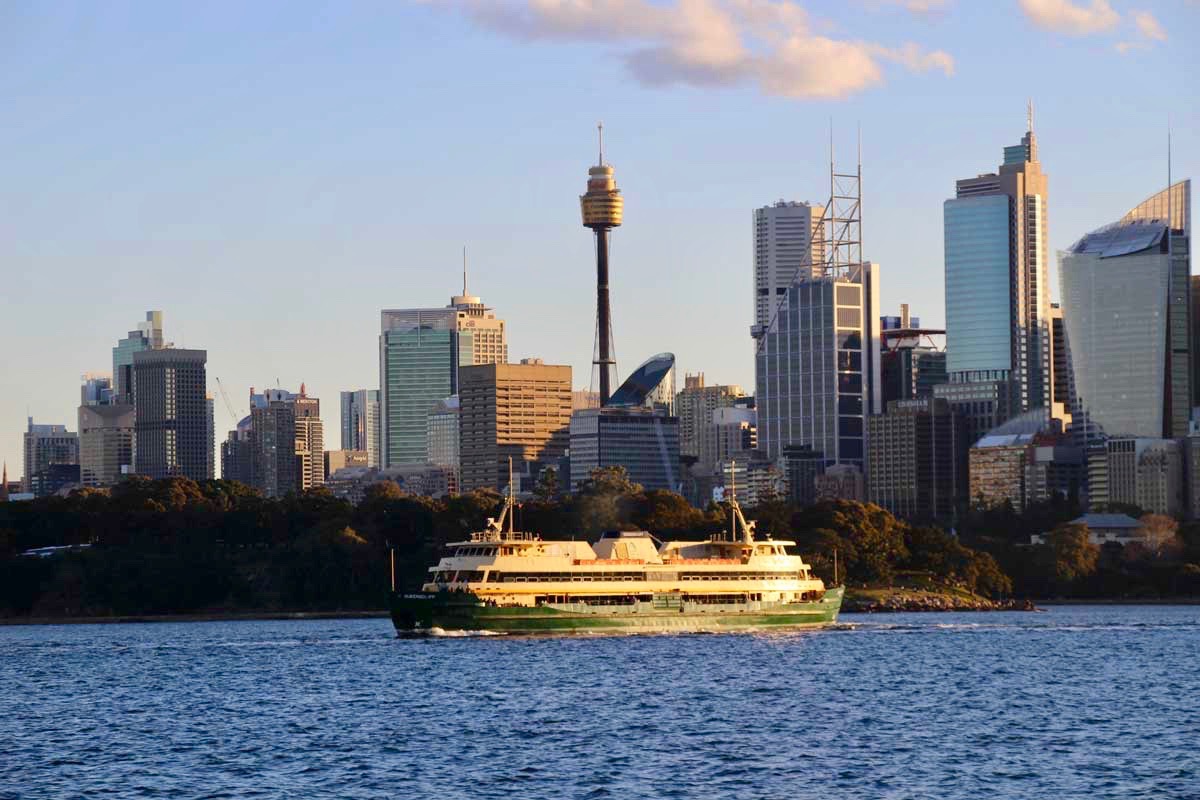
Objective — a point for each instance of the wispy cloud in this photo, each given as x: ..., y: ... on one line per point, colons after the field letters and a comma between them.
x: 770, y: 44
x: 1073, y: 19
x: 919, y: 7
x: 1149, y: 31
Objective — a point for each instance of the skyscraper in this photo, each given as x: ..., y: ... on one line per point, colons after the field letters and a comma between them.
x: 173, y: 428
x: 696, y: 405
x: 48, y: 448
x: 997, y: 282
x: 443, y: 435
x: 918, y: 460
x: 97, y: 390
x: 1126, y: 306
x: 512, y: 411
x: 817, y: 368
x: 310, y: 441
x: 147, y: 336
x: 420, y: 352
x: 105, y: 443
x: 360, y: 423
x: 787, y: 244
x: 275, y: 466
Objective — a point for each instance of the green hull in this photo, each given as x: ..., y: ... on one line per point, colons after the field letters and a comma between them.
x: 423, y: 613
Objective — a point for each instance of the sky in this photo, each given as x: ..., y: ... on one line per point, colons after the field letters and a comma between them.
x: 271, y: 175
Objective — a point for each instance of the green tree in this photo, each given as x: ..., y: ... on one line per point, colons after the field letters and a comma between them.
x: 547, y: 487
x: 606, y: 501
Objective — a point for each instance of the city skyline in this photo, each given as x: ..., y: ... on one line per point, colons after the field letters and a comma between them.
x: 154, y: 248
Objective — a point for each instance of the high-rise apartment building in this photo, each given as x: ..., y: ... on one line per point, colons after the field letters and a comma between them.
x: 1126, y: 299
x: 147, y: 336
x: 512, y: 411
x: 310, y: 441
x: 733, y: 434
x: 997, y: 281
x: 275, y: 464
x: 360, y: 423
x: 420, y: 353
x: 237, y: 455
x: 695, y: 406
x: 173, y: 426
x: 47, y: 450
x: 917, y: 464
x: 817, y: 368
x: 787, y: 246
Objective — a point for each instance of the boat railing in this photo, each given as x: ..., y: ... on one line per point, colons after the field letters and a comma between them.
x: 504, y: 536
x: 592, y: 562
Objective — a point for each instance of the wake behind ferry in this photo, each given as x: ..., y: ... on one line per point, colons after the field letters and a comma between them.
x: 506, y: 581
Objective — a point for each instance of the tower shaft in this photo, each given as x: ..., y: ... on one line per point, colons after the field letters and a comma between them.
x: 603, y: 316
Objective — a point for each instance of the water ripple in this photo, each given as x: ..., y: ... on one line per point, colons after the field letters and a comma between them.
x: 1077, y: 702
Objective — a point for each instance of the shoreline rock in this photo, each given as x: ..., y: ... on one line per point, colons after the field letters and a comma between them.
x: 902, y: 601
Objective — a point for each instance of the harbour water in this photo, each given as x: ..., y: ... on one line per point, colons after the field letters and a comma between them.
x: 1095, y: 702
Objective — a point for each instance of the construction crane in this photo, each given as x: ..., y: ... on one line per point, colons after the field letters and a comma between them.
x: 228, y: 405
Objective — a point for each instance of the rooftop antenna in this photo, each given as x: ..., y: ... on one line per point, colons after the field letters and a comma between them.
x: 464, y: 270
x: 600, y: 135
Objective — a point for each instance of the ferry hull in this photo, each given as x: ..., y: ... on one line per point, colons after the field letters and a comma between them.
x: 422, y: 612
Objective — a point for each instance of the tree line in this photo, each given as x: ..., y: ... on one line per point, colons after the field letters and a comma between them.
x: 178, y: 546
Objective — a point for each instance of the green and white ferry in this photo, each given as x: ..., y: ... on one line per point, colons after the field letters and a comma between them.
x: 506, y: 581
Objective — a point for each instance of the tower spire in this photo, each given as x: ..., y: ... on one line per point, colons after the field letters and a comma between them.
x: 1029, y: 115
x: 464, y: 270
x: 600, y: 136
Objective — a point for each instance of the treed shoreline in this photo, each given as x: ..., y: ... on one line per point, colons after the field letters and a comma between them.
x: 175, y: 549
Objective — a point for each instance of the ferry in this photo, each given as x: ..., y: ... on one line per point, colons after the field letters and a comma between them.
x: 506, y: 581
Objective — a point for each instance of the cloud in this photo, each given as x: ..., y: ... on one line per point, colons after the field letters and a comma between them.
x: 918, y: 7
x: 1073, y: 19
x: 766, y: 43
x: 1148, y: 26
x: 1149, y: 31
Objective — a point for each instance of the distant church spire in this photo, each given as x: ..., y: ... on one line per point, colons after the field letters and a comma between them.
x: 4, y: 484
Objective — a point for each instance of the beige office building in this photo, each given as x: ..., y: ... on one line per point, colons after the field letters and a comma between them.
x: 105, y: 444
x: 522, y: 411
x: 696, y: 406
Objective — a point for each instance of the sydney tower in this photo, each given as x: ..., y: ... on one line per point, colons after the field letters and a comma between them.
x: 602, y: 207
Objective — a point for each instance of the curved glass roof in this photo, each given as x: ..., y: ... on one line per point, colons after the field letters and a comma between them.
x: 1122, y: 238
x: 644, y: 380
x: 1021, y: 429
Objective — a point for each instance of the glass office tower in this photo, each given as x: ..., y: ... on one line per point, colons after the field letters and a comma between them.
x: 817, y: 371
x: 1126, y: 306
x: 978, y: 312
x: 999, y: 352
x: 360, y: 423
x: 420, y: 351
